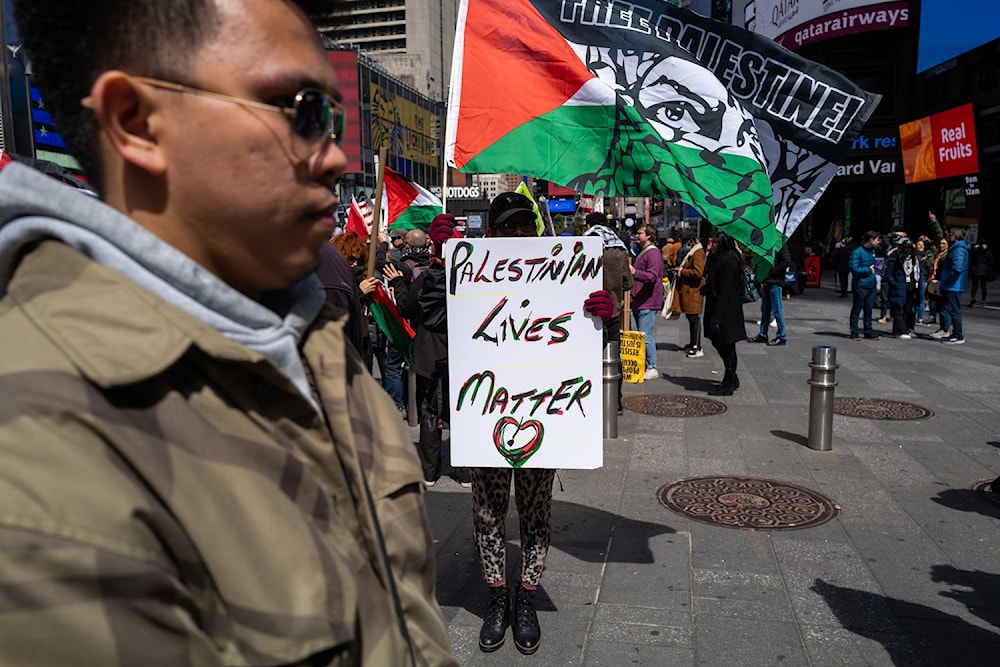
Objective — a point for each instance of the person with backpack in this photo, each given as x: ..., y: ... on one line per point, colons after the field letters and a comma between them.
x: 770, y: 300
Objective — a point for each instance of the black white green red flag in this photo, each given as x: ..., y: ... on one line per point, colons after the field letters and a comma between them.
x: 647, y: 99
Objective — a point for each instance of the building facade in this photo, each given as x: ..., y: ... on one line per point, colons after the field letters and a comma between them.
x: 933, y: 143
x: 412, y: 39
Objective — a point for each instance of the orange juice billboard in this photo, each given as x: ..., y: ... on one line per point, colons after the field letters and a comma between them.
x: 939, y: 146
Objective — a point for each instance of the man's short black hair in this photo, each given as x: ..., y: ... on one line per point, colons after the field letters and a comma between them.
x: 871, y: 235
x: 595, y: 219
x: 70, y: 44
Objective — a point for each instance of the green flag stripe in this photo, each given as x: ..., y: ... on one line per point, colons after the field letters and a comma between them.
x: 416, y: 217
x: 578, y: 137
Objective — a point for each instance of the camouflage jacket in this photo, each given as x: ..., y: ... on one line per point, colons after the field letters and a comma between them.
x: 167, y: 497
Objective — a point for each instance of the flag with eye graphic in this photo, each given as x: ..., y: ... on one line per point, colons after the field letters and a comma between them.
x: 647, y: 99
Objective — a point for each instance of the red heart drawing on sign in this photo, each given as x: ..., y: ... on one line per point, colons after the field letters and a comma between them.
x: 517, y: 441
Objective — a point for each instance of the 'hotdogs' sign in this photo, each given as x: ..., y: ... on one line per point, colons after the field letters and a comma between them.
x: 524, y: 359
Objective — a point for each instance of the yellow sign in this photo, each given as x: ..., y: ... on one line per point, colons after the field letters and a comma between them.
x: 633, y: 353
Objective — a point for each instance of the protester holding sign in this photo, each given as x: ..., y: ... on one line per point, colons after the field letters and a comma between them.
x: 510, y: 216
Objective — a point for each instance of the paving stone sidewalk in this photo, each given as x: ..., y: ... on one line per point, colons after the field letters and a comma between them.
x: 907, y: 572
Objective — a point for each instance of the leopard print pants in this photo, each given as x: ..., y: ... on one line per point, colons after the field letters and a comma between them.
x: 490, y: 500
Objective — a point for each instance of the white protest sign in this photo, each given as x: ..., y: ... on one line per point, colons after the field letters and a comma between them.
x: 524, y: 358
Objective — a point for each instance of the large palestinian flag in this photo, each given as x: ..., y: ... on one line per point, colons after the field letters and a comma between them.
x: 614, y: 100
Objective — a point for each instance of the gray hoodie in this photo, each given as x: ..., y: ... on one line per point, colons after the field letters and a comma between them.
x: 34, y: 206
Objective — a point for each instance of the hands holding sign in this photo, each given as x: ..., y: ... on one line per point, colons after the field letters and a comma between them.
x: 599, y: 304
x: 441, y: 229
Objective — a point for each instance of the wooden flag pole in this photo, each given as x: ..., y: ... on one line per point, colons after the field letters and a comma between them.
x: 373, y: 241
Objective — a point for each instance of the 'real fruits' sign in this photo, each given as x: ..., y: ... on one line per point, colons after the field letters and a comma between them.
x: 940, y: 146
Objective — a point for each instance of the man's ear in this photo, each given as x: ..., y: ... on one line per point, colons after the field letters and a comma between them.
x: 128, y: 115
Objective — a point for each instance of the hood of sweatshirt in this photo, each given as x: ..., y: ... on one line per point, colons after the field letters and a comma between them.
x: 34, y: 206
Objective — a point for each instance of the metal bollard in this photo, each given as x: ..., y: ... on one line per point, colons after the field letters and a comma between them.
x: 411, y: 397
x: 824, y: 371
x: 612, y: 371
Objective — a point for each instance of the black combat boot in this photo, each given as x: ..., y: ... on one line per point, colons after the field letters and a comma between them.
x: 725, y: 388
x: 527, y: 634
x: 496, y: 620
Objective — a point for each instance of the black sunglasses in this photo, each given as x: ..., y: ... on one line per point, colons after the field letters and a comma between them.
x: 315, y: 116
x: 524, y: 225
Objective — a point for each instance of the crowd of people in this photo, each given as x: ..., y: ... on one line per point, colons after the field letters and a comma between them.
x: 199, y: 467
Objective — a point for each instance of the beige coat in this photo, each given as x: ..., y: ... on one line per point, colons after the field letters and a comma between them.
x: 690, y: 277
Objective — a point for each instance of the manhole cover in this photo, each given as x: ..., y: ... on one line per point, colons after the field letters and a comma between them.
x: 673, y: 405
x: 741, y: 502
x: 879, y: 408
x: 985, y: 491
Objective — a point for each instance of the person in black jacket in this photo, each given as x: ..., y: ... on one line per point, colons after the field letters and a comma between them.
x: 724, y: 307
x: 423, y: 303
x: 771, y: 292
x: 980, y: 266
x: 841, y: 259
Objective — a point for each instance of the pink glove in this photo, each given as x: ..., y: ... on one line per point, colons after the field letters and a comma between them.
x: 442, y: 228
x: 599, y: 304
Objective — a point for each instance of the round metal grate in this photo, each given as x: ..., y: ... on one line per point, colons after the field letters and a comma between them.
x: 879, y: 408
x: 741, y: 502
x: 673, y: 405
x: 984, y: 490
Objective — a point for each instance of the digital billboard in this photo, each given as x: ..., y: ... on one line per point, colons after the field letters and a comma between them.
x: 949, y: 28
x: 939, y: 146
x: 345, y: 64
x: 796, y: 23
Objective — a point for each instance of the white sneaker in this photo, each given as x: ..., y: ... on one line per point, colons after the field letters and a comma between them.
x: 695, y: 352
x: 905, y: 336
x: 940, y: 333
x: 652, y: 374
x: 773, y: 324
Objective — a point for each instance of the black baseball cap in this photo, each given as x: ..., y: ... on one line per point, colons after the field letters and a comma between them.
x: 506, y: 205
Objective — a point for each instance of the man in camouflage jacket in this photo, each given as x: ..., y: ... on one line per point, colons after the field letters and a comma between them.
x: 197, y: 470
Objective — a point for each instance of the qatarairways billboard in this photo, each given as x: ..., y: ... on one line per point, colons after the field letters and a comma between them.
x: 796, y: 23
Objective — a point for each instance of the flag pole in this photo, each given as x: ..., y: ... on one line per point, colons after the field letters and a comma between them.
x: 444, y: 186
x: 444, y: 167
x: 377, y: 213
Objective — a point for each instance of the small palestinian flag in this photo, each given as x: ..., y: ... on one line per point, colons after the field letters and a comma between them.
x: 387, y: 316
x: 359, y: 219
x: 406, y: 205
